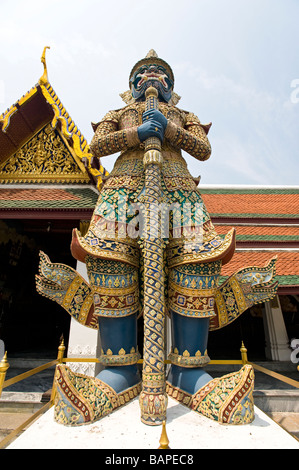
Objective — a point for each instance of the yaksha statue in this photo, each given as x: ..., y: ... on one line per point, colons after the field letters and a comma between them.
x: 152, y: 250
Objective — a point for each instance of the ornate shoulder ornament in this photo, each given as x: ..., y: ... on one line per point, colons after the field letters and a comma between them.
x: 111, y: 116
x: 191, y: 118
x: 127, y: 97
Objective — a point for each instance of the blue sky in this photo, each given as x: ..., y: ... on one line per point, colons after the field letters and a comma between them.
x: 234, y: 61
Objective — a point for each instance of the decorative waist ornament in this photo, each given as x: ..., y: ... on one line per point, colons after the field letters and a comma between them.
x: 152, y: 249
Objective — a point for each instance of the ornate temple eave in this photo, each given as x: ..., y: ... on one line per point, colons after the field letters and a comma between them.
x: 24, y: 120
x: 20, y: 122
x: 288, y: 290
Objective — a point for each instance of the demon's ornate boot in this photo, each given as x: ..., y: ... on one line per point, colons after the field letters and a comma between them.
x: 227, y: 399
x: 81, y: 399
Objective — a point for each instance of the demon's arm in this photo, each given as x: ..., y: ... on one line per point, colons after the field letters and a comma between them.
x: 192, y: 138
x: 108, y: 139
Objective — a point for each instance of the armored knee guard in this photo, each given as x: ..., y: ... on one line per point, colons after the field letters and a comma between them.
x: 116, y: 304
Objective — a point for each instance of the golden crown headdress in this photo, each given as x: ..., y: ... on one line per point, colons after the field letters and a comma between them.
x: 152, y: 58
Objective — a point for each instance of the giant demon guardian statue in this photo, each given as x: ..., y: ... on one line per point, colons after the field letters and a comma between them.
x: 152, y: 250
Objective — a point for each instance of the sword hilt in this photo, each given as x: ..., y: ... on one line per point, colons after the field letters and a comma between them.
x: 151, y: 96
x: 152, y: 144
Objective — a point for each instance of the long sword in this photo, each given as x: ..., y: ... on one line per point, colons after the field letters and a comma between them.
x: 153, y: 397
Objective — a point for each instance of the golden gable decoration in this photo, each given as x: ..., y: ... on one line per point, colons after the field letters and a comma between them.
x: 44, y: 158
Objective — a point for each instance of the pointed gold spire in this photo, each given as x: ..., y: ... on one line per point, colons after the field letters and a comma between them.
x: 61, y: 350
x: 164, y: 441
x: 243, y: 351
x: 4, y: 362
x: 151, y: 53
x: 44, y: 78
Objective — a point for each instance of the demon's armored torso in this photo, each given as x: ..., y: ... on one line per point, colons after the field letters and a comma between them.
x: 115, y: 212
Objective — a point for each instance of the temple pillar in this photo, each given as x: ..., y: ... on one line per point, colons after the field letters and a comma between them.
x: 83, y: 341
x: 277, y: 341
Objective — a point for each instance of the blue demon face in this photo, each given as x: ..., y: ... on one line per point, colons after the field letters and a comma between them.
x: 151, y: 75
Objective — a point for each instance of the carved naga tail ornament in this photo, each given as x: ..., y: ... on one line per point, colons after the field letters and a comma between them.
x: 153, y: 398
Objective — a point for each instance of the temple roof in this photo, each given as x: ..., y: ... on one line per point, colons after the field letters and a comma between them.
x: 26, y: 121
x: 40, y: 143
x: 47, y: 201
x: 252, y: 202
x: 266, y: 220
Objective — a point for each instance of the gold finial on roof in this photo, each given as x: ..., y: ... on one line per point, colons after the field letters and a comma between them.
x: 44, y: 78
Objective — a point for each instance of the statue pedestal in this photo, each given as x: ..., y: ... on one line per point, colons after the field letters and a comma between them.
x: 123, y: 429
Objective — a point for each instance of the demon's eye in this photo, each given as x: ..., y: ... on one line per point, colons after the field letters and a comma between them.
x: 142, y: 70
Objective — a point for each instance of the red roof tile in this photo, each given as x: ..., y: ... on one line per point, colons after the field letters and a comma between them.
x: 23, y: 202
x: 36, y: 194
